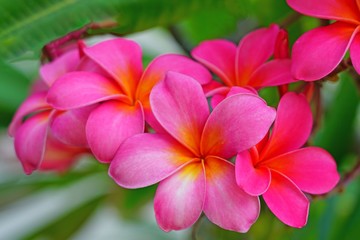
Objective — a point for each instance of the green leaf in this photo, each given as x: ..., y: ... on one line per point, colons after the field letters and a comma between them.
x: 66, y: 226
x: 14, y: 87
x: 337, y: 132
x: 29, y: 25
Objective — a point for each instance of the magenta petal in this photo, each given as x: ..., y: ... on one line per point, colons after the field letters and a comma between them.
x: 343, y: 10
x: 219, y: 57
x: 35, y: 102
x: 180, y: 198
x: 121, y: 58
x: 236, y: 124
x: 69, y: 126
x: 146, y: 159
x: 292, y: 125
x: 236, y: 90
x: 78, y: 89
x: 263, y: 42
x: 180, y: 106
x: 355, y: 53
x: 67, y: 62
x: 274, y: 73
x: 254, y: 181
x: 287, y: 201
x: 317, y: 52
x: 158, y: 68
x: 30, y: 140
x: 226, y: 204
x: 312, y: 169
x: 110, y: 124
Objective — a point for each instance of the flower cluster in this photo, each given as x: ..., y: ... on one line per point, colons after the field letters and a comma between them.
x: 155, y: 125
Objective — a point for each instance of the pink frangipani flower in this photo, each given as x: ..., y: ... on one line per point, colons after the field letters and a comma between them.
x: 190, y: 159
x: 246, y: 65
x: 319, y: 51
x: 277, y: 169
x: 121, y: 89
x: 36, y: 144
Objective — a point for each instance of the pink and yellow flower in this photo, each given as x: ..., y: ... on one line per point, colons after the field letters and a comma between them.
x: 246, y: 65
x: 280, y: 170
x: 121, y: 88
x: 190, y: 158
x: 319, y: 51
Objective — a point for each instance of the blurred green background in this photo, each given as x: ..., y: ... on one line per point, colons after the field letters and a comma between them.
x: 85, y: 203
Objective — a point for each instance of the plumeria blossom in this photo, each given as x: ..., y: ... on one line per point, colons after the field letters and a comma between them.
x: 190, y: 158
x: 121, y: 87
x: 319, y: 51
x: 246, y: 65
x: 49, y: 139
x: 281, y: 171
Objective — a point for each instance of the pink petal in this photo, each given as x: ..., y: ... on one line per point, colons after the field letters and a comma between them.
x: 226, y: 204
x: 343, y: 10
x: 263, y: 42
x: 282, y: 50
x: 79, y: 89
x: 220, y: 96
x: 236, y: 124
x: 67, y: 62
x: 219, y: 57
x: 213, y: 87
x: 58, y: 156
x: 274, y: 73
x: 355, y: 52
x: 236, y: 90
x: 69, y: 126
x: 121, y: 58
x: 254, y: 181
x: 146, y: 159
x: 180, y: 106
x: 110, y: 124
x: 292, y: 126
x: 318, y: 52
x: 34, y: 103
x: 30, y: 140
x: 286, y: 201
x: 180, y: 198
x: 312, y: 169
x: 158, y: 68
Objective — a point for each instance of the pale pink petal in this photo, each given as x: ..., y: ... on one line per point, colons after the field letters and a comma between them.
x: 34, y: 103
x: 254, y: 181
x: 355, y: 53
x: 58, y: 156
x: 292, y: 125
x: 343, y: 10
x: 219, y: 57
x: 79, y: 89
x: 226, y: 204
x: 67, y: 62
x: 110, y: 124
x: 274, y: 73
x: 312, y: 169
x: 236, y: 124
x: 146, y: 159
x: 69, y: 126
x: 179, y: 199
x: 316, y: 53
x: 180, y: 106
x: 158, y: 68
x: 286, y: 201
x: 30, y: 140
x: 121, y: 58
x: 261, y: 41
